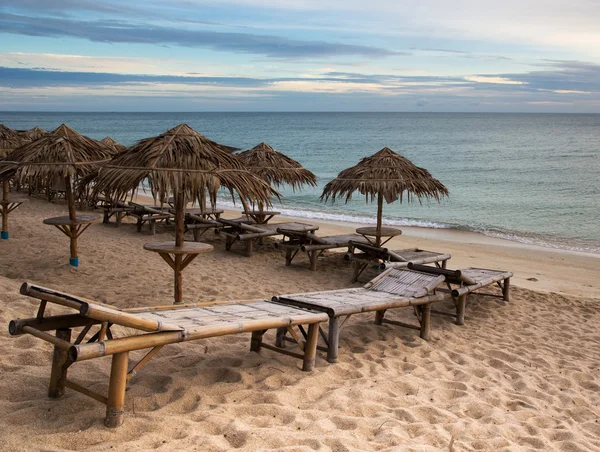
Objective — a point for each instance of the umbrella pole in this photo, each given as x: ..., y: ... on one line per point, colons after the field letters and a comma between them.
x: 74, y: 260
x: 379, y: 218
x: 179, y: 227
x: 5, y: 210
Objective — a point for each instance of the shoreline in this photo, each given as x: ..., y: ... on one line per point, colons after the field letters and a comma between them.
x: 524, y: 238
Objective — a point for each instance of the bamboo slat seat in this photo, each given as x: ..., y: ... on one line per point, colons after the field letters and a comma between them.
x: 151, y: 328
x: 116, y: 208
x: 150, y: 214
x: 251, y: 233
x: 313, y: 245
x: 200, y: 220
x: 462, y: 282
x: 394, y: 288
x: 366, y: 255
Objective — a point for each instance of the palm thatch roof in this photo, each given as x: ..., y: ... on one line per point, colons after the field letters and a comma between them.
x: 180, y: 160
x: 60, y: 153
x: 34, y: 134
x: 9, y: 140
x: 113, y: 144
x: 387, y: 174
x: 276, y: 168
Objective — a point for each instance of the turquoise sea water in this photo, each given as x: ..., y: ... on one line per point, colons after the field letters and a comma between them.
x: 533, y: 178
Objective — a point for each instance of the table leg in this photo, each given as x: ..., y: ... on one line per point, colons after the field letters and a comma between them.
x: 74, y: 260
x: 4, y: 235
x: 178, y: 280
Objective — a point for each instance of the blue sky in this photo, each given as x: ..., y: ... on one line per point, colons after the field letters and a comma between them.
x: 304, y: 55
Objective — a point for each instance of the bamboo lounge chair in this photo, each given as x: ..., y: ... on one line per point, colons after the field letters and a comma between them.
x: 118, y: 209
x: 382, y: 258
x: 251, y: 233
x: 154, y: 328
x: 462, y: 282
x: 150, y: 214
x: 314, y: 246
x: 394, y: 288
x: 200, y: 220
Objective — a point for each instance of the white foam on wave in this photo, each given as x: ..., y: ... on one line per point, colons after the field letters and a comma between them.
x: 345, y: 217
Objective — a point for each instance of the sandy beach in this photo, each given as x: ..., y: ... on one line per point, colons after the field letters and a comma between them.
x: 522, y: 375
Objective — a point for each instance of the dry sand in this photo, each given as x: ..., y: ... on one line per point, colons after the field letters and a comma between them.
x: 523, y: 375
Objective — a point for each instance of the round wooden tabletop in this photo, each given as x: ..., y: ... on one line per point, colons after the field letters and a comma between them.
x: 371, y: 231
x: 171, y: 248
x: 80, y: 218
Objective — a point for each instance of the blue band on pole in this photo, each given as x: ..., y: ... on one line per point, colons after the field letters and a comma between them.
x: 4, y: 235
x: 74, y: 261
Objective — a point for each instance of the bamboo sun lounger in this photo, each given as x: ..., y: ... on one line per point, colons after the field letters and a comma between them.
x: 394, y: 288
x: 153, y: 329
x: 201, y: 220
x: 313, y: 245
x: 251, y: 233
x: 382, y: 258
x: 460, y: 283
x: 150, y: 215
x: 118, y: 209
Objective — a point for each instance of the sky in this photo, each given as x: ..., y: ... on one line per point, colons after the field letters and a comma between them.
x: 301, y: 55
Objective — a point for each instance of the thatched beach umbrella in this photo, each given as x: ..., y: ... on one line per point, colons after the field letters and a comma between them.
x: 187, y: 164
x: 34, y: 134
x: 276, y: 168
x: 113, y: 144
x: 61, y: 154
x: 9, y: 140
x: 385, y: 175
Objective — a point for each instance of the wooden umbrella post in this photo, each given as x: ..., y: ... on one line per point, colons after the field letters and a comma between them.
x: 5, y: 210
x: 74, y: 260
x: 379, y: 218
x: 179, y: 240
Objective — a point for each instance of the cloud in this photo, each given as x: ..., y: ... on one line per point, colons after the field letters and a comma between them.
x: 125, y: 32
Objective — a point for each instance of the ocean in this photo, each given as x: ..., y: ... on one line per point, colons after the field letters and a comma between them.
x: 531, y: 178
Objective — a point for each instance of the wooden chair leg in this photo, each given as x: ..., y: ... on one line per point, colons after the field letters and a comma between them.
x: 58, y: 374
x: 152, y: 227
x: 310, y: 347
x: 228, y: 243
x: 280, y: 337
x: 288, y: 257
x: 313, y: 259
x: 139, y: 224
x: 444, y: 263
x: 506, y: 289
x: 249, y: 247
x: 461, y: 307
x: 379, y: 317
x: 115, y: 406
x: 334, y: 339
x: 425, y: 321
x: 256, y: 341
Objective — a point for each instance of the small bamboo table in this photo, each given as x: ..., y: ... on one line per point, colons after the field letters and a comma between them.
x: 261, y: 216
x: 73, y: 229
x: 371, y: 231
x: 182, y: 256
x: 8, y: 205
